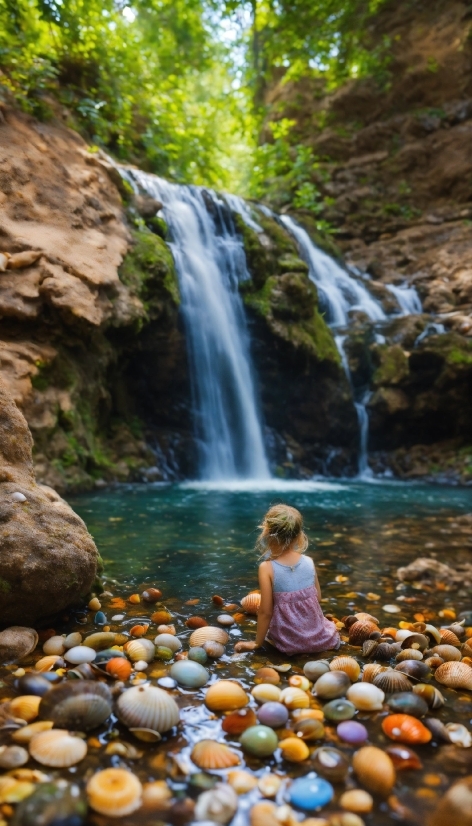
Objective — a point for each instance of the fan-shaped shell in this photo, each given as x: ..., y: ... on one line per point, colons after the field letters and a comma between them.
x: 448, y: 637
x: 430, y: 694
x: 349, y: 665
x: 57, y: 748
x: 385, y: 651
x: 375, y: 770
x: 360, y: 631
x: 16, y: 642
x: 208, y: 754
x: 209, y: 632
x: 405, y: 729
x: 366, y: 697
x: 457, y: 629
x: 140, y: 650
x: 447, y: 652
x: 25, y: 707
x: 251, y: 603
x: 392, y: 681
x: 114, y: 792
x: 146, y: 706
x: 79, y: 705
x: 293, y: 697
x: 409, y: 654
x: 371, y: 670
x: 24, y: 734
x: 454, y: 675
x: 467, y: 649
x: 294, y: 749
x: 226, y: 695
x: 363, y: 617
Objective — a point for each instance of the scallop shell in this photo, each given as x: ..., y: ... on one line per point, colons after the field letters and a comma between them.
x: 360, y: 631
x: 349, y: 665
x: 217, y: 805
x: 392, y: 681
x: 251, y: 603
x: 369, y: 647
x: 409, y: 654
x: 457, y: 629
x: 454, y: 675
x: 371, y: 670
x: 386, y: 650
x: 226, y: 695
x: 80, y: 705
x: 366, y: 697
x: 114, y: 792
x: 448, y: 637
x: 24, y: 734
x: 209, y: 754
x: 17, y: 642
x: 25, y: 707
x: 57, y: 748
x: 363, y: 617
x: 467, y: 649
x: 430, y: 694
x: 447, y: 652
x: 266, y: 693
x: 146, y: 706
x: 267, y: 675
x: 294, y: 698
x: 405, y: 729
x: 210, y: 632
x: 375, y: 770
x: 294, y: 749
x: 140, y: 650
x: 213, y: 649
x: 168, y: 641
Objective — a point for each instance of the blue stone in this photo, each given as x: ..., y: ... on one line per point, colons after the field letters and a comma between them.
x: 310, y: 792
x: 100, y: 618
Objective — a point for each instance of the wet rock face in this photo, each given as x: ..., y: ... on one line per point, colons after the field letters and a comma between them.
x: 48, y: 560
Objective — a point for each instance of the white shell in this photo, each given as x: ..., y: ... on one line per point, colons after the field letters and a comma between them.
x: 147, y: 706
x: 391, y: 609
x: 140, y: 649
x: 168, y: 641
x: 402, y: 634
x: 118, y: 617
x: 73, y: 639
x: 225, y: 619
x: 57, y: 748
x: 54, y: 645
x: 141, y: 665
x: 366, y: 697
x: 459, y: 735
x: 80, y: 654
x: 18, y: 497
x: 218, y: 805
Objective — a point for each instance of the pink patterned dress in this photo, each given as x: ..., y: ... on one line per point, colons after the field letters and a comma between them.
x: 298, y: 625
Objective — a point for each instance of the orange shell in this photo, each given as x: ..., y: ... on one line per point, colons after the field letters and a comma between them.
x: 448, y: 637
x: 134, y: 599
x: 217, y: 600
x: 239, y: 720
x: 454, y: 675
x: 231, y: 606
x: 138, y: 630
x: 294, y: 750
x: 375, y: 770
x: 405, y: 729
x: 363, y: 617
x: 119, y: 668
x: 293, y: 697
x: 361, y: 631
x: 371, y: 670
x: 267, y: 675
x: 161, y: 617
x: 196, y: 622
x: 251, y: 603
x: 25, y: 707
x: 226, y: 695
x: 208, y: 754
x: 389, y: 632
x: 239, y: 617
x: 448, y: 652
x: 210, y: 632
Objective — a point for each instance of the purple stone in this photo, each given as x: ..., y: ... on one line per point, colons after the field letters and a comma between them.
x: 273, y: 714
x: 352, y: 732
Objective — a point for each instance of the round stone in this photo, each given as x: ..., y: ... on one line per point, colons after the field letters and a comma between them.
x: 352, y: 732
x: 310, y: 793
x: 198, y: 654
x: 340, y: 709
x: 261, y: 741
x: 273, y: 714
x: 167, y: 682
x: 189, y: 674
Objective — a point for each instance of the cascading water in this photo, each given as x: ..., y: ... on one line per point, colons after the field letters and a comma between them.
x: 210, y: 262
x: 407, y: 298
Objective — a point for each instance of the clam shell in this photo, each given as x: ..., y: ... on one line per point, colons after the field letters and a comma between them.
x: 315, y: 668
x: 251, y: 603
x: 375, y: 770
x: 418, y: 641
x: 447, y: 652
x: 16, y: 642
x: 457, y: 629
x: 226, y: 695
x: 371, y: 670
x: 114, y: 792
x: 369, y: 647
x: 430, y: 694
x: 217, y: 805
x: 238, y: 721
x: 409, y: 654
x: 25, y: 707
x: 119, y: 668
x: 366, y: 697
x: 386, y: 650
x: 294, y: 749
x: 437, y: 729
x: 80, y: 706
x: 455, y: 806
x: 433, y: 662
x: 414, y: 669
x: 458, y: 734
x: 196, y: 622
x: 363, y: 617
x: 57, y: 748
x: 448, y: 637
x: 404, y: 728
x: 454, y: 675
x: 225, y: 619
x: 360, y: 631
x: 266, y: 693
x: 357, y: 800
x: 406, y: 702
x: 147, y: 735
x: 168, y: 641
x: 209, y: 632
x: 32, y: 683
x: 209, y: 754
x: 392, y: 681
x: 146, y: 706
x: 331, y: 685
x: 141, y: 649
x: 213, y: 649
x: 80, y: 654
x: 349, y: 665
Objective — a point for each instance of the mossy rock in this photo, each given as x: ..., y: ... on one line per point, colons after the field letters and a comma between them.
x: 148, y: 270
x: 392, y: 365
x: 292, y: 296
x: 323, y: 240
x: 157, y: 225
x: 268, y: 253
x: 292, y: 263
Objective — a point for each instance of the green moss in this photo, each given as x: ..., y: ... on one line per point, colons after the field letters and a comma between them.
x: 393, y: 366
x: 5, y: 586
x: 292, y: 263
x: 149, y: 271
x: 459, y: 357
x: 158, y: 226
x: 59, y: 372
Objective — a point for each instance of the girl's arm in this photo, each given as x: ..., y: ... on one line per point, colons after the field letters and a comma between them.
x: 265, y: 611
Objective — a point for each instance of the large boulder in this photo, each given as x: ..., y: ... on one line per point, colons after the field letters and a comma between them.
x: 48, y: 559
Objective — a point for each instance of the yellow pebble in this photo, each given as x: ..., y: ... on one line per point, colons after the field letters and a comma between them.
x: 357, y: 800
x: 95, y: 604
x: 135, y: 599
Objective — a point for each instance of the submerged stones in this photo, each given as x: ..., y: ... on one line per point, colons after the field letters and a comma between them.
x: 189, y: 674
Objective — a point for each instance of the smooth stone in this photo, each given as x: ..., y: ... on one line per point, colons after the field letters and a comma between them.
x: 18, y: 497
x: 331, y: 763
x: 33, y: 684
x: 225, y: 619
x: 118, y: 617
x: 100, y: 618
x: 189, y: 674
x: 273, y: 714
x: 80, y: 654
x: 352, y: 732
x: 339, y: 709
x: 198, y: 655
x: 406, y: 702
x: 315, y: 669
x: 261, y: 741
x: 310, y: 793
x: 167, y: 682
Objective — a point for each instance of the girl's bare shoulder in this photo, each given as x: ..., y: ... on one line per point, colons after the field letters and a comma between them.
x: 265, y: 568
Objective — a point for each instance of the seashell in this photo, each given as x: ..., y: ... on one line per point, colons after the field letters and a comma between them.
x: 434, y: 662
x: 151, y: 595
x: 141, y: 649
x: 146, y: 706
x: 360, y: 631
x: 455, y: 807
x: 168, y: 641
x: 138, y: 630
x: 371, y: 670
x: 141, y: 665
x: 409, y: 654
x: 263, y: 814
x: 16, y: 642
x: 433, y: 633
x: 330, y: 763
x: 210, y: 632
x: 366, y: 697
x: 331, y: 685
x: 308, y: 729
x: 12, y: 757
x: 161, y: 617
x: 261, y: 741
x: 369, y: 647
x: 385, y: 651
x: 447, y: 652
x: 72, y: 639
x: 134, y: 599
x: 432, y: 696
x: 3, y: 261
x: 33, y: 684
x: 80, y: 654
x: 392, y: 681
x: 315, y: 669
x: 217, y: 600
x: 156, y: 795
x: 467, y: 649
x: 196, y: 622
x: 403, y: 758
x: 119, y: 668
x: 414, y: 669
x: 457, y: 628
x: 437, y: 729
x: 266, y: 675
x: 198, y: 655
x: 226, y: 695
x: 402, y: 634
x: 375, y: 770
x: 231, y: 606
x: 147, y: 735
x: 454, y: 675
x: 294, y: 749
x: 25, y: 707
x: 57, y: 748
x: 357, y: 800
x: 266, y: 693
x: 352, y: 732
x: 418, y: 641
x: 54, y: 645
x: 349, y: 620
x: 349, y: 665
x: 269, y: 784
x: 217, y: 805
x: 81, y: 705
x: 361, y: 616
x: 405, y: 729
x: 209, y: 754
x: 448, y: 637
x: 189, y: 674
x: 458, y: 734
x: 114, y: 792
x: 282, y: 667
x: 273, y: 715
x: 24, y: 734
x: 340, y: 709
x: 307, y: 714
x: 225, y: 619
x: 19, y: 260
x: 241, y: 781
x: 294, y: 698
x: 166, y: 629
x: 94, y: 604
x: 251, y: 603
x: 239, y: 720
x: 100, y: 640
x: 162, y: 653
x: 406, y: 702
x: 83, y: 672
x: 297, y: 681
x: 213, y: 649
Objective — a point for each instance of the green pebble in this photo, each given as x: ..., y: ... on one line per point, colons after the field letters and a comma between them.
x: 261, y: 741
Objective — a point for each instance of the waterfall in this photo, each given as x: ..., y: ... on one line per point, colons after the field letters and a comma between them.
x: 407, y: 298
x: 210, y: 261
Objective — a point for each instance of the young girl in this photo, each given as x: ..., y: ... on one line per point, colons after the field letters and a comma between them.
x: 290, y: 616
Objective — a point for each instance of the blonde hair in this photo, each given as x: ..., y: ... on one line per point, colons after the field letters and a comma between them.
x: 281, y: 526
